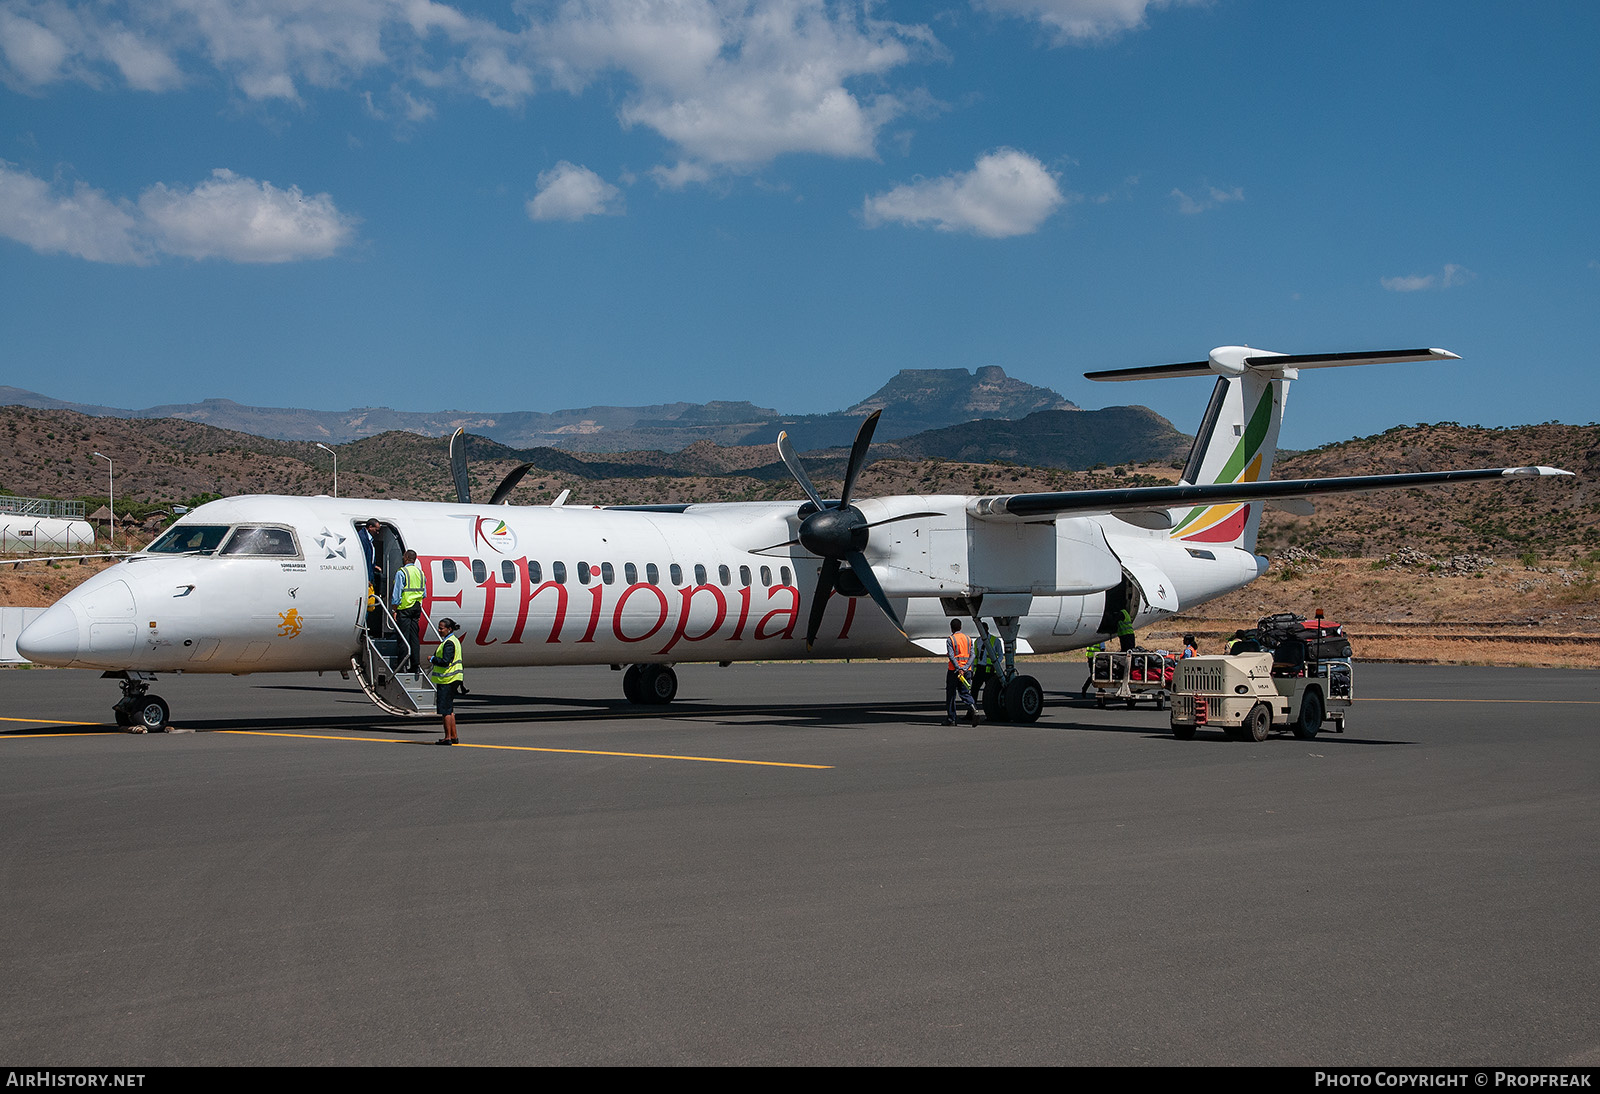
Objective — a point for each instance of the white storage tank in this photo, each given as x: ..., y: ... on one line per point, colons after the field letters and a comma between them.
x: 30, y: 533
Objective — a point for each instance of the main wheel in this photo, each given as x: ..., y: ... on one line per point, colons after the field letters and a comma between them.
x: 1258, y: 723
x: 658, y: 683
x: 1311, y: 711
x: 1024, y: 699
x: 632, y: 690
x: 152, y: 712
x: 994, y: 702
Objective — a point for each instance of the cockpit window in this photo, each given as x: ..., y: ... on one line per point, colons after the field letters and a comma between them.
x: 260, y: 540
x: 184, y: 539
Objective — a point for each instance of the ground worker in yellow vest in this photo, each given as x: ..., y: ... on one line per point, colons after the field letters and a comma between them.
x: 446, y: 674
x: 1088, y: 681
x: 989, y: 659
x: 1125, y: 630
x: 410, y: 588
x: 958, y: 675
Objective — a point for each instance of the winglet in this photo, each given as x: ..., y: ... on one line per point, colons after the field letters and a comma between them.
x: 1535, y: 471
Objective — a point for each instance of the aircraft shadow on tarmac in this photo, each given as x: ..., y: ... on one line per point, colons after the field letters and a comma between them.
x: 514, y: 710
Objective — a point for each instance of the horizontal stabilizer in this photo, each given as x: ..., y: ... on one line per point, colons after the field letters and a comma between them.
x: 1233, y: 360
x: 1021, y: 507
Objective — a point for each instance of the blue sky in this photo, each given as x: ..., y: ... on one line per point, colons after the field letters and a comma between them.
x: 549, y: 205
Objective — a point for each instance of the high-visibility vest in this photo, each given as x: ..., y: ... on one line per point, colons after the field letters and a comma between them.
x: 1092, y: 650
x: 446, y: 664
x: 1125, y: 623
x: 414, y: 589
x: 993, y: 652
x: 959, y: 650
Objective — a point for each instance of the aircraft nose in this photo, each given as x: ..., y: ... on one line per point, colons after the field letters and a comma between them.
x: 53, y: 638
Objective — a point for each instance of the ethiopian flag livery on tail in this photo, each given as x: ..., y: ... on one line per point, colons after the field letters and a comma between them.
x: 1236, y: 443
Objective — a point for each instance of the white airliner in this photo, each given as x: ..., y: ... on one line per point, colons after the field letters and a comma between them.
x: 278, y: 584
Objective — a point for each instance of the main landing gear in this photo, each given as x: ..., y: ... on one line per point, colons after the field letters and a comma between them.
x: 650, y: 685
x: 138, y: 709
x: 1013, y: 697
x: 1019, y: 699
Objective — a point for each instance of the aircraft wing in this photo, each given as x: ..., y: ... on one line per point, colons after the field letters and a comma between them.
x: 1142, y: 503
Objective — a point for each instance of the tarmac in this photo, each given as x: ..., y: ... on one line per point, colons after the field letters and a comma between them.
x: 796, y: 864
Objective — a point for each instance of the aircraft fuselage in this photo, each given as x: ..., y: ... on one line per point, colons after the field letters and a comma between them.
x: 579, y: 585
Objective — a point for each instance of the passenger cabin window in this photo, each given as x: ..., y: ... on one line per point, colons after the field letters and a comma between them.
x: 608, y: 573
x: 583, y: 573
x: 261, y: 541
x: 744, y: 575
x: 558, y: 570
x: 630, y: 573
x: 652, y: 574
x: 699, y: 574
x: 447, y: 570
x: 508, y: 572
x: 724, y: 575
x: 766, y: 575
x: 677, y: 574
x: 787, y: 579
x: 535, y: 572
x: 480, y: 572
x: 184, y: 539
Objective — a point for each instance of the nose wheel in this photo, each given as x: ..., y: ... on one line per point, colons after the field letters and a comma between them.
x: 138, y: 709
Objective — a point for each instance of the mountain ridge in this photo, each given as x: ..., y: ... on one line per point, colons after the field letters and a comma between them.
x: 913, y: 401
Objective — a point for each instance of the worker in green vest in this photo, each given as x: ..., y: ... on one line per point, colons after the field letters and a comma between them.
x: 446, y: 674
x: 989, y: 659
x: 410, y: 589
x: 1089, y: 680
x: 1125, y: 629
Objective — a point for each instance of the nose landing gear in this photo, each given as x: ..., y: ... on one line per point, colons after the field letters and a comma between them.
x: 138, y: 709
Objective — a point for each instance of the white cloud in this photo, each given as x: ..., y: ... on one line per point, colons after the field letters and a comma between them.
x: 243, y: 220
x: 735, y: 85
x: 1212, y: 198
x: 1007, y: 193
x: 83, y: 223
x: 732, y: 83
x: 680, y: 174
x: 227, y: 216
x: 268, y: 49
x: 570, y: 192
x: 1448, y: 278
x: 1080, y: 20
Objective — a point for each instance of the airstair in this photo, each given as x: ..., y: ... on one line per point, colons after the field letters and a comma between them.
x: 403, y: 693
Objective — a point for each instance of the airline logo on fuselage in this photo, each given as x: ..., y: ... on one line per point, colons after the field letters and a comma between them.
x: 494, y: 534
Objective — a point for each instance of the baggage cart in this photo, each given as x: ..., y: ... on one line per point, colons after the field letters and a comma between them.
x: 1135, y: 676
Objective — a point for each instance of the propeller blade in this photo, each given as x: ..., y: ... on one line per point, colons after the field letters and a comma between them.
x: 863, y: 571
x: 902, y: 516
x: 858, y: 455
x: 458, y: 465
x: 775, y: 546
x: 509, y: 483
x: 797, y: 469
x: 826, y: 576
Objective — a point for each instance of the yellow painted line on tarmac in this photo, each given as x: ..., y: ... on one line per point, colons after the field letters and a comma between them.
x: 50, y: 722
x: 531, y: 748
x: 36, y: 736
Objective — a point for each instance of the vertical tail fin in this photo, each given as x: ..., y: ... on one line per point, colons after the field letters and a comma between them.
x: 1236, y: 442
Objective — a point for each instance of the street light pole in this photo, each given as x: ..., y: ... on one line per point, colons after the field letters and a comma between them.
x: 111, y: 496
x: 335, y: 456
